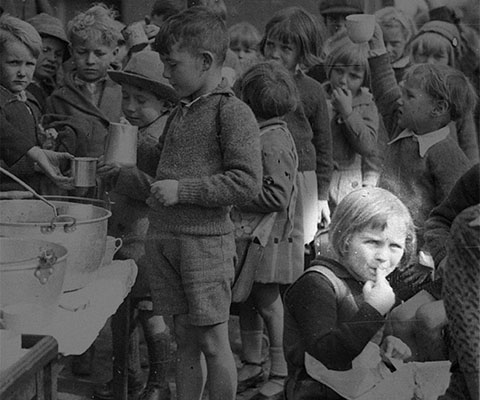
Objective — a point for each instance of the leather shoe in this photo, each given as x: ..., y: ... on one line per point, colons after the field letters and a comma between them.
x: 105, y: 390
x: 156, y: 392
x: 253, y: 380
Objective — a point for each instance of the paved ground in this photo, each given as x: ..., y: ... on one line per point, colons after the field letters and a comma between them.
x: 71, y: 387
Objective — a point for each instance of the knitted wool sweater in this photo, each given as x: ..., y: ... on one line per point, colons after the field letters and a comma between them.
x: 420, y: 182
x: 212, y: 148
x: 310, y: 128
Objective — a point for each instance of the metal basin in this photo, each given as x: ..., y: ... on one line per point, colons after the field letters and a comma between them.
x: 32, y: 273
x: 81, y: 228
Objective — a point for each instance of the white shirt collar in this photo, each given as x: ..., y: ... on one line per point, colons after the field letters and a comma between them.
x: 424, y: 141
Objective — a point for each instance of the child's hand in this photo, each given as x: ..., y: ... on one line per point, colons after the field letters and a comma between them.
x: 342, y: 101
x: 379, y: 294
x: 107, y: 171
x: 165, y: 192
x: 323, y: 213
x: 395, y: 348
x: 376, y: 43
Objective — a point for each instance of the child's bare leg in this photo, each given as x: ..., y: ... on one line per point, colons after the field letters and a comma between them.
x: 213, y: 342
x: 190, y: 371
x: 270, y: 306
x: 251, y: 332
x: 431, y: 319
x: 402, y: 320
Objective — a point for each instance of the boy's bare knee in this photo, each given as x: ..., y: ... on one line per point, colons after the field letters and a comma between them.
x: 431, y: 316
x: 213, y: 339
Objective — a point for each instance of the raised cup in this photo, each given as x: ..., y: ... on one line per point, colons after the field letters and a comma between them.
x: 360, y: 27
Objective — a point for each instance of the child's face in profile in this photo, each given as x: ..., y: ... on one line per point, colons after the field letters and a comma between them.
x: 395, y: 41
x: 374, y: 248
x: 50, y: 58
x: 17, y: 66
x: 349, y: 77
x: 185, y: 72
x: 415, y: 107
x: 140, y: 107
x: 286, y: 54
x: 92, y: 59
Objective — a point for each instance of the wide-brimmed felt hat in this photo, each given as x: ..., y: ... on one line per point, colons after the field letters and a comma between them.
x: 145, y: 70
x: 45, y: 24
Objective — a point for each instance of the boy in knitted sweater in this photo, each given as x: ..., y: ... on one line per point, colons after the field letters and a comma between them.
x: 209, y: 160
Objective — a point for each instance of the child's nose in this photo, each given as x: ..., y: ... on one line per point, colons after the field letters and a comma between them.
x: 91, y: 58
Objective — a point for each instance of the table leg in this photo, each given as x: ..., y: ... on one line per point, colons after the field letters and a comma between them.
x: 120, y: 335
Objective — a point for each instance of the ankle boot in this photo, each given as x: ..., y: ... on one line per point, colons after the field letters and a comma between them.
x: 158, y: 346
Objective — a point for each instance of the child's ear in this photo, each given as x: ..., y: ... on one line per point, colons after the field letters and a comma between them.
x: 442, y: 107
x: 207, y: 60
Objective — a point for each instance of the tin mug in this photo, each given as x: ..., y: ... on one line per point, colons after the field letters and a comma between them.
x: 112, y: 245
x: 121, y: 144
x: 83, y: 171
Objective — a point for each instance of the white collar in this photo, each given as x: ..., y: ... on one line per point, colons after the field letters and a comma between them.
x: 424, y: 141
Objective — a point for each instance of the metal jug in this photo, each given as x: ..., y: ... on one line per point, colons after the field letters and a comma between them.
x: 121, y: 144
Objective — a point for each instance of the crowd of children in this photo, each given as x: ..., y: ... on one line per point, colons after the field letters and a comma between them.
x: 250, y: 141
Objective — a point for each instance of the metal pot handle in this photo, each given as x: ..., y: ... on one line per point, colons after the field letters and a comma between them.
x: 46, y: 261
x: 68, y: 227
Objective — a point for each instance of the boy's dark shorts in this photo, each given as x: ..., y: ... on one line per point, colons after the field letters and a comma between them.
x: 191, y: 275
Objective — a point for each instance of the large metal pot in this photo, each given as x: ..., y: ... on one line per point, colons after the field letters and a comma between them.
x: 32, y: 273
x: 81, y: 228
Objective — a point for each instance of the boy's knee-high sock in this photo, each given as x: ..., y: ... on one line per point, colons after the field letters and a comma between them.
x: 252, y: 346
x: 278, y: 365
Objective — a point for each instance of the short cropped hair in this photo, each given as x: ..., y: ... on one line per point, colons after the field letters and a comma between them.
x: 217, y: 6
x: 342, y: 51
x: 244, y: 34
x: 195, y: 29
x: 391, y: 17
x: 370, y: 208
x: 15, y: 29
x: 296, y: 25
x: 268, y: 88
x: 97, y: 24
x: 167, y: 8
x: 442, y: 82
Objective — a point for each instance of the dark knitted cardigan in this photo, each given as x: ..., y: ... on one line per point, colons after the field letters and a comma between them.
x: 310, y: 128
x: 212, y: 148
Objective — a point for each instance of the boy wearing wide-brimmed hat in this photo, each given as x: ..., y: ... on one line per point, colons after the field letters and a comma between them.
x: 54, y: 51
x: 147, y: 99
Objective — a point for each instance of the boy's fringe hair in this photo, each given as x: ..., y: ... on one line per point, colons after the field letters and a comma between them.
x: 12, y: 28
x: 390, y: 17
x: 245, y: 35
x: 96, y: 24
x: 196, y: 29
x: 443, y: 82
x: 342, y: 51
x: 295, y: 25
x: 269, y: 90
x: 370, y: 208
x: 167, y: 8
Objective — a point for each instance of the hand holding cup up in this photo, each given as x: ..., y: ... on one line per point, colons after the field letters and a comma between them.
x: 379, y: 294
x: 376, y: 42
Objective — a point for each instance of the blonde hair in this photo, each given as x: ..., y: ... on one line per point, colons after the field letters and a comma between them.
x: 245, y: 35
x: 442, y: 82
x: 15, y: 29
x: 391, y: 17
x: 342, y: 51
x: 96, y: 24
x: 370, y: 208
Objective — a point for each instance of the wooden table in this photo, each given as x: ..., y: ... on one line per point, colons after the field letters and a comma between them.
x: 34, y: 375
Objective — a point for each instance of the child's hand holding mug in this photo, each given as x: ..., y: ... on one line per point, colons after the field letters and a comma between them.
x: 376, y: 43
x: 379, y: 294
